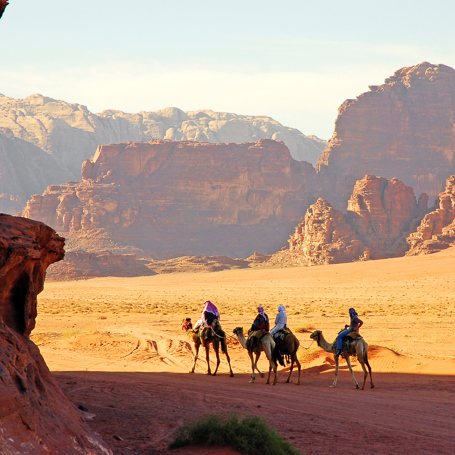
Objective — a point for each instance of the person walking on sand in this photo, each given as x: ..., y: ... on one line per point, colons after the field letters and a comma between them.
x: 281, y: 320
x: 355, y: 325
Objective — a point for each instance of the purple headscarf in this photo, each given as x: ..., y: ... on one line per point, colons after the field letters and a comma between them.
x: 261, y: 311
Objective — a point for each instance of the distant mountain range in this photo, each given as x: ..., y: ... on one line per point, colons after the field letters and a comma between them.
x: 54, y: 137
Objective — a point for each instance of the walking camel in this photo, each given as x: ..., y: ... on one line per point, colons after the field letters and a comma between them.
x: 358, y: 347
x: 265, y: 344
x: 214, y: 336
x: 289, y: 347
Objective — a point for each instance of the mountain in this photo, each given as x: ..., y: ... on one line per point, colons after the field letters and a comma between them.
x: 70, y: 133
x: 404, y: 128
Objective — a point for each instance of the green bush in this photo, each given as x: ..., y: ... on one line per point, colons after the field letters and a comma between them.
x: 250, y: 435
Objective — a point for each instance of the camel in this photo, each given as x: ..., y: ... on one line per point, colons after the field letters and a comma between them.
x: 216, y: 336
x: 289, y: 347
x: 265, y: 344
x: 357, y: 347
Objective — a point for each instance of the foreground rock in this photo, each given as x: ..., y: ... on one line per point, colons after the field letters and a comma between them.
x: 67, y: 134
x: 403, y: 128
x: 380, y: 215
x: 174, y: 198
x: 35, y: 417
x: 437, y: 229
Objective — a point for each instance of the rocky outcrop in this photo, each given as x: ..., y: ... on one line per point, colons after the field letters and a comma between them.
x: 88, y: 264
x: 25, y: 169
x: 176, y: 198
x: 437, y: 229
x: 403, y: 128
x: 3, y: 5
x: 324, y: 237
x: 382, y: 212
x: 35, y: 417
x: 379, y: 216
x: 61, y: 136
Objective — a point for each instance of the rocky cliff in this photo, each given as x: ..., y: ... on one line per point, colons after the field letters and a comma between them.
x: 35, y: 417
x: 67, y: 134
x: 437, y: 229
x: 175, y: 198
x: 403, y: 128
x: 379, y: 217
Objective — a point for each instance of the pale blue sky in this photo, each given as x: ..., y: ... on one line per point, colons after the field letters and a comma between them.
x: 295, y: 61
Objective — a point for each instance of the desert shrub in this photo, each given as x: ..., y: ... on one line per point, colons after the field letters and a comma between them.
x: 304, y: 328
x: 250, y: 435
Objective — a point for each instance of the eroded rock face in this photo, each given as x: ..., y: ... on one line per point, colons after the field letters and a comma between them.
x: 59, y: 136
x: 380, y: 215
x: 403, y: 128
x: 324, y: 237
x: 35, y: 417
x: 437, y: 228
x: 382, y: 212
x: 176, y: 198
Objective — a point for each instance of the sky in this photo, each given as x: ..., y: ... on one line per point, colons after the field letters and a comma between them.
x: 295, y: 61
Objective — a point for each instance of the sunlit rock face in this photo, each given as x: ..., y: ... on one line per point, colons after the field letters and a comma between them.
x: 35, y: 416
x: 403, y: 128
x: 380, y: 215
x: 175, y: 198
x: 437, y: 229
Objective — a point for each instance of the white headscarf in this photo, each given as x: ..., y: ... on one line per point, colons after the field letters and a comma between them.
x: 282, y: 308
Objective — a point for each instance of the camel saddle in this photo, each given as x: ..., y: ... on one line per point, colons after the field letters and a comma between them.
x: 254, y: 337
x: 353, y: 335
x: 281, y: 334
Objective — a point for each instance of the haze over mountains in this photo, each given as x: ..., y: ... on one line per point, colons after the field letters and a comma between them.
x: 70, y: 134
x: 168, y: 198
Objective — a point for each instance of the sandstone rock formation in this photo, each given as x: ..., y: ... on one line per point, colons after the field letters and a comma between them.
x: 69, y: 134
x: 403, y: 128
x: 87, y: 264
x: 379, y: 216
x: 437, y: 229
x: 35, y: 417
x: 176, y: 198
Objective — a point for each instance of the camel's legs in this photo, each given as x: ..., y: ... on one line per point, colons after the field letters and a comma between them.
x: 296, y: 360
x: 207, y: 349
x: 196, y: 347
x: 365, y: 374
x: 252, y: 367
x: 352, y: 373
x: 257, y: 355
x: 217, y: 353
x: 336, y: 371
x: 272, y: 364
x: 229, y: 363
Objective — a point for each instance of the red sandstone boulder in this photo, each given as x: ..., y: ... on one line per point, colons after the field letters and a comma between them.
x: 35, y: 417
x: 437, y: 228
x: 175, y: 198
x: 403, y: 128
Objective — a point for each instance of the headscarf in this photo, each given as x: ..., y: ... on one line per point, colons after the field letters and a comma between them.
x: 352, y: 312
x: 211, y: 308
x: 261, y: 311
x: 282, y: 308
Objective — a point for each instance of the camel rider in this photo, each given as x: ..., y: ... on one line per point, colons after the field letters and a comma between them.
x: 355, y: 325
x: 281, y: 320
x: 260, y: 326
x: 210, y: 313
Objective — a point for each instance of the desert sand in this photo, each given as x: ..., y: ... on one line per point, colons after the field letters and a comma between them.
x: 116, y: 346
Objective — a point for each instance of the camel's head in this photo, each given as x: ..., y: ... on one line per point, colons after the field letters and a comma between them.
x: 238, y: 331
x: 186, y: 324
x: 315, y: 335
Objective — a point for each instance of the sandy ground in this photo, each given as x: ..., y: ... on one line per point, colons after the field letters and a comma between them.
x: 116, y: 347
